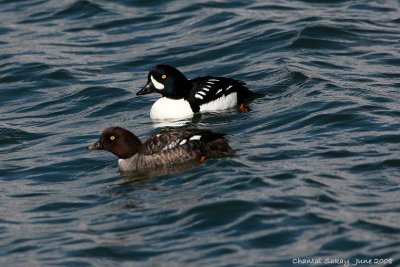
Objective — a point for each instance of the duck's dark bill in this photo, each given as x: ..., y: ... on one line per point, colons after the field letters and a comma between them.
x: 148, y: 89
x: 96, y: 146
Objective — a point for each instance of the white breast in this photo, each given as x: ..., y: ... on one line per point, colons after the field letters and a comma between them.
x: 224, y: 102
x: 166, y: 108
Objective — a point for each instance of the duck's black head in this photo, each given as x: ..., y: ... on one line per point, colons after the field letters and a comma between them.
x: 118, y: 141
x: 167, y: 81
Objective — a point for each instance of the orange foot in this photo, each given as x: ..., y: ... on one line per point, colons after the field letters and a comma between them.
x: 202, y: 159
x: 244, y: 108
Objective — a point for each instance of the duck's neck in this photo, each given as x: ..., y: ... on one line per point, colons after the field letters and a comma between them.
x: 128, y: 164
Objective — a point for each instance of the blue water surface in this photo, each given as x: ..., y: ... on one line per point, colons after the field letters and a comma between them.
x: 317, y: 168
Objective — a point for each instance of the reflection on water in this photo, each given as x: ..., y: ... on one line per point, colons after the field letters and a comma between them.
x: 133, y: 177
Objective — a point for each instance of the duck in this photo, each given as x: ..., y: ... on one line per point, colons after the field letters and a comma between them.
x: 182, y: 97
x: 171, y: 146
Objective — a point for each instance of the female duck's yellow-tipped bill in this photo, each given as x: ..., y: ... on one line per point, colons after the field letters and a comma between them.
x: 96, y: 146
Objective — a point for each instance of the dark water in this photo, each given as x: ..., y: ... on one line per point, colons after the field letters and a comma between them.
x: 317, y: 170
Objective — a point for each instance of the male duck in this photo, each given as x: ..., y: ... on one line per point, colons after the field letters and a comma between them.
x: 183, y: 97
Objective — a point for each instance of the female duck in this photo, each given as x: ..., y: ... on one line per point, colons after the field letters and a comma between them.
x: 171, y: 146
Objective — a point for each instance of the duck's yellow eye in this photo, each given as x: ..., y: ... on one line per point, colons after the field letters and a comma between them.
x: 164, y: 77
x: 112, y: 137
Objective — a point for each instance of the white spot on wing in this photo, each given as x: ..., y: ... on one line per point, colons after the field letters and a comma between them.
x: 206, y: 89
x: 202, y: 93
x: 195, y: 137
x: 213, y: 80
x: 219, y: 91
x: 198, y: 96
x: 183, y: 142
x: 229, y: 87
x: 169, y: 146
x: 156, y: 84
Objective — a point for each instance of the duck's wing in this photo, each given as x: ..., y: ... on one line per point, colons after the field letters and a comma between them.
x: 208, y: 89
x: 170, y: 139
x: 179, y: 145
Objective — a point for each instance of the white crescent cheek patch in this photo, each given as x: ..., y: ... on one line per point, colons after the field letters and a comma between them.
x: 157, y: 85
